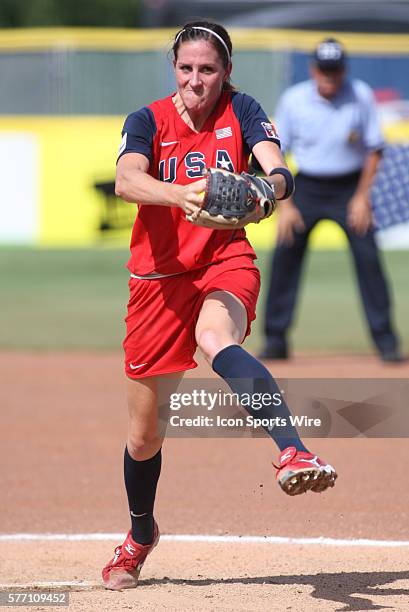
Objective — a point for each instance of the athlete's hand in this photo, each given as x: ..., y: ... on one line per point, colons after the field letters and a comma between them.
x: 289, y: 221
x: 359, y: 214
x: 191, y: 196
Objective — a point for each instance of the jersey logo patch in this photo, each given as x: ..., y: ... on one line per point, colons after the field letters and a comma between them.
x: 224, y: 133
x: 122, y: 146
x: 269, y: 129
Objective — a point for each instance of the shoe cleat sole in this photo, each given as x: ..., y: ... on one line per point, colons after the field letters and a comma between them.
x: 296, y: 483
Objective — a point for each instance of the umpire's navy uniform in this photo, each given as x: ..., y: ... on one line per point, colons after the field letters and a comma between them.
x: 329, y: 139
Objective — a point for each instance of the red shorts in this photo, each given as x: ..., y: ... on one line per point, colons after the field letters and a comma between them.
x: 162, y: 314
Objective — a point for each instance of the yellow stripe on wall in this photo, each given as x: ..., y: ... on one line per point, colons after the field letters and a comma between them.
x: 75, y: 152
x: 124, y: 39
x: 326, y: 235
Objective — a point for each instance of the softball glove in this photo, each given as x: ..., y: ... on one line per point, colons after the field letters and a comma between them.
x: 231, y: 201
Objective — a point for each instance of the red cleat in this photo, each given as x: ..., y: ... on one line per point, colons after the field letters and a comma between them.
x: 122, y: 572
x: 299, y: 472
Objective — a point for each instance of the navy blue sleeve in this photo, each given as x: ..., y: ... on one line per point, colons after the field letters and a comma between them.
x: 138, y: 133
x: 255, y: 125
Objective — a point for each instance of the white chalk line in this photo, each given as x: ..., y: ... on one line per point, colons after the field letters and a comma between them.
x: 65, y: 584
x: 105, y: 537
x: 207, y: 539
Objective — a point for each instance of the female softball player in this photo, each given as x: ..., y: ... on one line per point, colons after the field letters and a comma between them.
x: 192, y: 286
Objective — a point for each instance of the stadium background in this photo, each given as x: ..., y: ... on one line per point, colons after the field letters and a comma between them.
x: 64, y: 95
x: 63, y: 249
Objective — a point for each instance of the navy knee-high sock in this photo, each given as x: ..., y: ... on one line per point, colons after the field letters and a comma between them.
x: 141, y: 479
x: 245, y: 375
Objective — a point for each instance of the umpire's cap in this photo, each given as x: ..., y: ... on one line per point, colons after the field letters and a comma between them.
x: 330, y: 55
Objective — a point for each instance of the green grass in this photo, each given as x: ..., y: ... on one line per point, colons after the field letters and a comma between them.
x: 58, y: 299
x: 69, y: 299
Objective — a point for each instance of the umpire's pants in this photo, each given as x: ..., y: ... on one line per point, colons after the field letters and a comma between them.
x: 317, y: 199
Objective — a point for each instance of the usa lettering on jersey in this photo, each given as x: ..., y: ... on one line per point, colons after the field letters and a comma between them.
x: 195, y: 165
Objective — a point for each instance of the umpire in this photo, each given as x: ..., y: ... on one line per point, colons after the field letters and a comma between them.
x: 329, y: 124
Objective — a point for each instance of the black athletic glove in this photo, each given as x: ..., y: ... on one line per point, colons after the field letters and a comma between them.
x: 233, y: 200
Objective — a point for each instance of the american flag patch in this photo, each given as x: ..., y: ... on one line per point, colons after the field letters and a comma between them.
x: 269, y: 129
x: 224, y: 133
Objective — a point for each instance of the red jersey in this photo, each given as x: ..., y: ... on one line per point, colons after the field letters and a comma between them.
x: 163, y: 241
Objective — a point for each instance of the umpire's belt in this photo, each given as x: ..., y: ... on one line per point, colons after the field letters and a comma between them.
x: 338, y: 180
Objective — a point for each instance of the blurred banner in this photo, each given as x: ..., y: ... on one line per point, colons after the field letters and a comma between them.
x: 65, y: 94
x: 390, y: 193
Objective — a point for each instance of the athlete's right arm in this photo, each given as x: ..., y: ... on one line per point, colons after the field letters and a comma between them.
x: 134, y: 184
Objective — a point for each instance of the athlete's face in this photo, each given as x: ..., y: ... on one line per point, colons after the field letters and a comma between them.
x: 200, y: 75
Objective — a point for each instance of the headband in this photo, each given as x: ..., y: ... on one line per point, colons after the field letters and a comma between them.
x: 206, y: 30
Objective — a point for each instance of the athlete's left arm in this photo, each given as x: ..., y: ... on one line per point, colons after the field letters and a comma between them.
x: 261, y: 139
x: 269, y: 157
